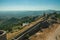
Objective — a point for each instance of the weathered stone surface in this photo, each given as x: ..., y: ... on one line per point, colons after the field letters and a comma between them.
x: 2, y: 35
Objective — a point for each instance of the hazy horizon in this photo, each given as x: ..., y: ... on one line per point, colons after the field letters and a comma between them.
x: 29, y: 5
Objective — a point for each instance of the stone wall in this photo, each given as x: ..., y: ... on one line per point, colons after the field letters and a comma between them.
x: 2, y: 35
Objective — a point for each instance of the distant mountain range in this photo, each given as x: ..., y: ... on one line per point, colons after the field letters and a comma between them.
x: 19, y: 14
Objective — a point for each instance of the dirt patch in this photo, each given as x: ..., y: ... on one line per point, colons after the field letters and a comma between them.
x: 47, y: 34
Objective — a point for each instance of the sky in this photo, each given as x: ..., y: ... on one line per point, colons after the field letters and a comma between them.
x: 8, y: 5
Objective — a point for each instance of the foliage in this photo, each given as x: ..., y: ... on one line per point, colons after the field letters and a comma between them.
x: 16, y: 23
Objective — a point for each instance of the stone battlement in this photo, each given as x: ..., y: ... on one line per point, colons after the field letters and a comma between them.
x: 3, y: 35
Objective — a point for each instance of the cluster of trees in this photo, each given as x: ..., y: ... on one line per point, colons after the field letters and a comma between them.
x: 11, y: 23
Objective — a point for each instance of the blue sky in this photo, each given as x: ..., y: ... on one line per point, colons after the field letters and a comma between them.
x: 6, y: 5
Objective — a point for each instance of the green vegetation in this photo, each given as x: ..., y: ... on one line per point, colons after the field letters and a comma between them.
x: 14, y: 23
